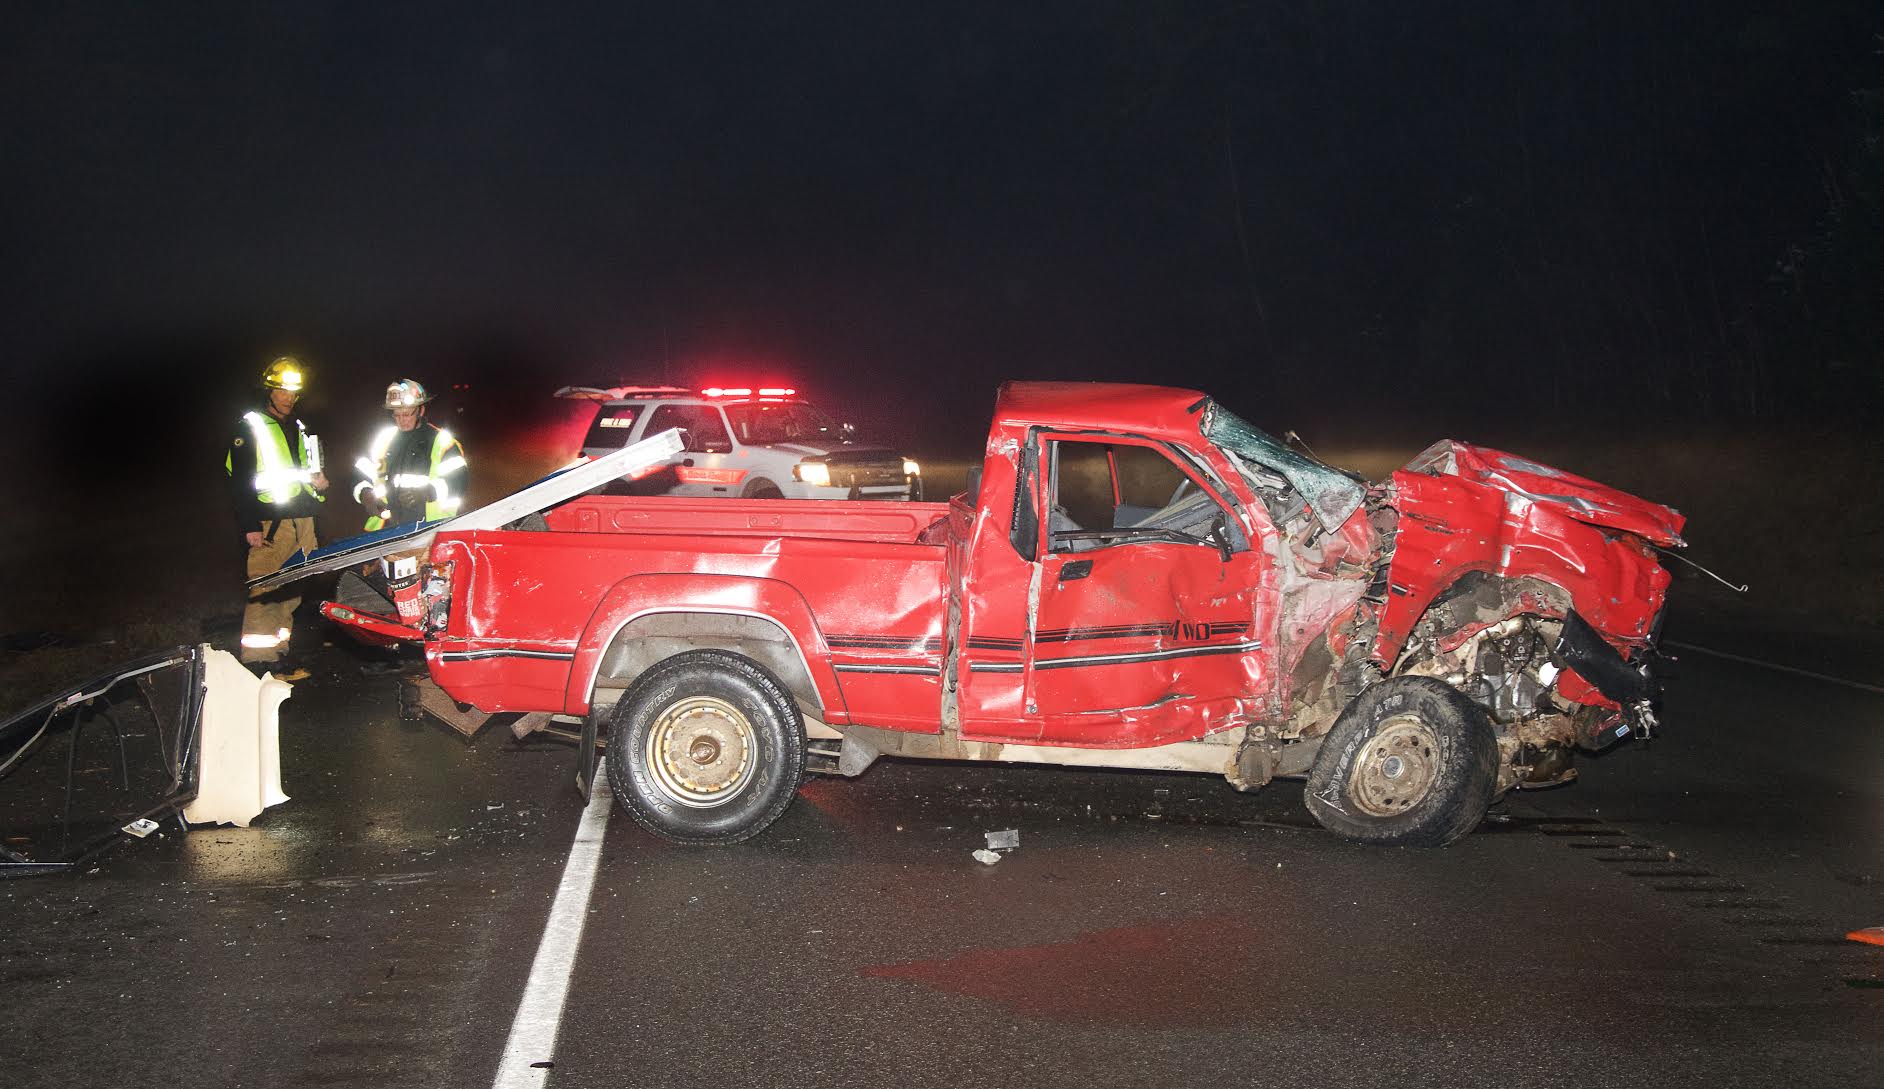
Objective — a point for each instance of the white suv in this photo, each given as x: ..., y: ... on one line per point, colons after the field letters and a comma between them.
x: 750, y: 443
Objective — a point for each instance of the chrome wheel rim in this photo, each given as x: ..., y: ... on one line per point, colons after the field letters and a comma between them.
x: 700, y: 752
x: 1397, y: 769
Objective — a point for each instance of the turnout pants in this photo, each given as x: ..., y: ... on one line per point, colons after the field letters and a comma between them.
x: 268, y: 619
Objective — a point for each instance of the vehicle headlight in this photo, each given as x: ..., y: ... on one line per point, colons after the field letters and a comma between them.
x: 910, y: 468
x: 815, y: 473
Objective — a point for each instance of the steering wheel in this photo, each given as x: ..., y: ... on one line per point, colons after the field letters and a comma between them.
x: 1185, y: 487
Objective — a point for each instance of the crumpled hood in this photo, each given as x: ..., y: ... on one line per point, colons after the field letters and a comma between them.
x: 1580, y: 498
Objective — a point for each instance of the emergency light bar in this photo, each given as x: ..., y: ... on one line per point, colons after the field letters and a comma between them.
x: 770, y: 391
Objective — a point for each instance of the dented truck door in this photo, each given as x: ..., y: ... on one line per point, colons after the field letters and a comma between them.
x: 1143, y: 623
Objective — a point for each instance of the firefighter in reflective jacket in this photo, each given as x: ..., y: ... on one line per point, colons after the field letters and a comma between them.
x: 275, y: 481
x: 415, y: 469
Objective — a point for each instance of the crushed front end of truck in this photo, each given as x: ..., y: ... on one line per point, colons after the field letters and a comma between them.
x: 1537, y: 593
x: 1451, y: 633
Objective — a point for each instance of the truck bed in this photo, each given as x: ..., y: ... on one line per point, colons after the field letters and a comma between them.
x: 876, y: 521
x: 534, y: 612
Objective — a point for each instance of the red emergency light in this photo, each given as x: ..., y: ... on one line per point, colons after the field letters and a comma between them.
x: 746, y: 391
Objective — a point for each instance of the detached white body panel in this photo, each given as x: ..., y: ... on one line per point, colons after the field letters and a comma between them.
x: 239, y: 770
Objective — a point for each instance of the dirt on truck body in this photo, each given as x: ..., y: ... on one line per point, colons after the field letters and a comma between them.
x: 1137, y: 578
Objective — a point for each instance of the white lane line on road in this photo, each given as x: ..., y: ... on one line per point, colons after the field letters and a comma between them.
x: 1777, y: 668
x: 533, y: 1033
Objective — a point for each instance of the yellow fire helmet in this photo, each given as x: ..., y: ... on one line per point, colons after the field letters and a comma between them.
x: 285, y: 373
x: 406, y: 393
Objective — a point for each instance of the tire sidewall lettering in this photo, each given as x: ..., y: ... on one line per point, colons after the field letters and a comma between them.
x: 1453, y: 802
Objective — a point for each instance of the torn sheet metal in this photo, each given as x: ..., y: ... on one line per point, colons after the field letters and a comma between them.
x: 551, y: 490
x: 1580, y: 498
x: 1588, y: 540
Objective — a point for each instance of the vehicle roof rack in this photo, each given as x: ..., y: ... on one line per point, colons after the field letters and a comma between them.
x: 617, y: 393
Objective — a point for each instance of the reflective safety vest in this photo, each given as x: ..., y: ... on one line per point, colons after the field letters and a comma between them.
x: 280, y: 473
x: 441, y: 502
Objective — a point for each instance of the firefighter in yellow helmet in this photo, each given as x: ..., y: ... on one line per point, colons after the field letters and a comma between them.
x: 415, y: 470
x: 275, y: 483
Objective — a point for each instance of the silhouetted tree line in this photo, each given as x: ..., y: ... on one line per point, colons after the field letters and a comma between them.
x: 1826, y: 310
x: 1623, y: 212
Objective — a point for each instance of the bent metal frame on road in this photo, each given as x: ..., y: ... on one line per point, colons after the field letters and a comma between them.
x: 27, y: 732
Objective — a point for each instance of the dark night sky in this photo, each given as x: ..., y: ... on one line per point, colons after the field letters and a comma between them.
x: 896, y: 206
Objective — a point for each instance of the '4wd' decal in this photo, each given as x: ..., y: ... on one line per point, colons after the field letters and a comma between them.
x: 1187, y: 631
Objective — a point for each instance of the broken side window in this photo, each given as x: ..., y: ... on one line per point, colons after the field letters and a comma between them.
x: 99, y: 762
x: 1103, y: 493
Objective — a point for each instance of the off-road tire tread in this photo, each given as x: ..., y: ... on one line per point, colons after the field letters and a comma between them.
x: 1458, y: 799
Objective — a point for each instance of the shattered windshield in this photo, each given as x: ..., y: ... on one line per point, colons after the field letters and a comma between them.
x: 1330, y: 493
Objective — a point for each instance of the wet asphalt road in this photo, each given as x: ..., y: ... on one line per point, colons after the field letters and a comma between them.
x: 1675, y: 918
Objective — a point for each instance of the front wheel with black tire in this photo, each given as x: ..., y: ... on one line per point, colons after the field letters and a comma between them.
x: 707, y: 748
x: 1410, y: 763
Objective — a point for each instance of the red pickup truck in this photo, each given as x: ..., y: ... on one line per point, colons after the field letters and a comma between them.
x: 1135, y: 578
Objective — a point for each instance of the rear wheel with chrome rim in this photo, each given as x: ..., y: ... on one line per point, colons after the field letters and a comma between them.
x: 707, y: 748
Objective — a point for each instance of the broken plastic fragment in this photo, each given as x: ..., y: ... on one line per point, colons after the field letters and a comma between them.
x: 987, y: 857
x: 1005, y: 840
x: 1870, y: 935
x: 141, y: 827
x: 239, y: 769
